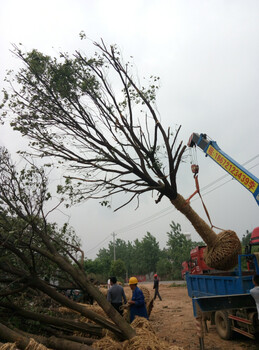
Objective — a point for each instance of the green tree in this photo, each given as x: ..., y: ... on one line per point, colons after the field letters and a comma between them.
x: 147, y: 254
x: 123, y: 251
x: 94, y: 268
x: 140, y: 257
x: 164, y: 268
x: 179, y: 248
x: 105, y: 258
x: 118, y: 269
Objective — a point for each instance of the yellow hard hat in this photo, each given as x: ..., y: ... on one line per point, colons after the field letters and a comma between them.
x: 133, y: 280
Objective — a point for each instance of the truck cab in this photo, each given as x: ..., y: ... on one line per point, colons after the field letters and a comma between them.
x: 251, y: 248
x: 196, y: 265
x: 254, y: 239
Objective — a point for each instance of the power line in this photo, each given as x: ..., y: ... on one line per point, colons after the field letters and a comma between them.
x: 171, y: 209
x: 105, y: 239
x: 154, y: 216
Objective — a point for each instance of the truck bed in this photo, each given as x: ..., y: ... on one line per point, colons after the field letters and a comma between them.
x: 227, y: 291
x: 218, y: 284
x: 222, y: 283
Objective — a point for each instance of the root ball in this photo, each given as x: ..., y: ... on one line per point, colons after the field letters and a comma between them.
x: 223, y: 254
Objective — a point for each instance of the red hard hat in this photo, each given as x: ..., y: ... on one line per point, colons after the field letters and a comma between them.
x: 155, y: 275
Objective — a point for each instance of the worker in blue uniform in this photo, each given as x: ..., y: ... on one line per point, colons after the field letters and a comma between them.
x: 137, y: 303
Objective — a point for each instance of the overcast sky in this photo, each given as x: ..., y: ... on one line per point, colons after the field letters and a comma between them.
x: 206, y: 54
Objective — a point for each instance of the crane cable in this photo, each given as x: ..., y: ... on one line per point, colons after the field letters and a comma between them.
x: 195, y: 171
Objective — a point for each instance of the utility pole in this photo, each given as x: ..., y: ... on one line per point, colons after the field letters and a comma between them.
x: 114, y: 253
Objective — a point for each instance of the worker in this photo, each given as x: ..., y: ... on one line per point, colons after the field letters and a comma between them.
x: 156, y: 287
x: 116, y: 294
x: 255, y: 292
x: 137, y: 302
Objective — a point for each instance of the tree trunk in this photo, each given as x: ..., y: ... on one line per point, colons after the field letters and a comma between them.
x: 223, y: 249
x: 51, y: 292
x: 203, y: 229
x: 63, y: 344
x: 76, y: 338
x: 56, y: 321
x: 9, y: 335
x: 80, y: 278
x: 54, y: 343
x: 56, y: 334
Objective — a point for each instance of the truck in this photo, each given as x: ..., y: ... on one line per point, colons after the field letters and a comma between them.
x: 224, y: 299
x: 237, y: 171
x: 196, y: 265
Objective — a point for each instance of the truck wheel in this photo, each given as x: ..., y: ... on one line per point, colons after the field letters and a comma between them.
x: 223, y: 325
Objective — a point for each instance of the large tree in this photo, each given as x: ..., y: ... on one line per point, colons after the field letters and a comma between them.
x: 145, y: 254
x: 107, y: 131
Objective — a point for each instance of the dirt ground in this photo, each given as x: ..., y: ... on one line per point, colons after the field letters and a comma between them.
x: 172, y: 318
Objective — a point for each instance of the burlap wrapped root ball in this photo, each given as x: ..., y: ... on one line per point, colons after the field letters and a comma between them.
x: 223, y: 253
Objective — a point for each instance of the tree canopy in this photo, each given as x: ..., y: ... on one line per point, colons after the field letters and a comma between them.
x: 111, y: 136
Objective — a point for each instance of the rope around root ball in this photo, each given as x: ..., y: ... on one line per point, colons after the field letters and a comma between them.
x: 223, y: 255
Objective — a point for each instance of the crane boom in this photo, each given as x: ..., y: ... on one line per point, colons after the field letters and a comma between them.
x: 243, y: 176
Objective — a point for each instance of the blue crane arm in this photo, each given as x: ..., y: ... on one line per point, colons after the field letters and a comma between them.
x: 237, y: 171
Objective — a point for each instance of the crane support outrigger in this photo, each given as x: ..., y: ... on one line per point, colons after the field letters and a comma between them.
x: 237, y: 171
